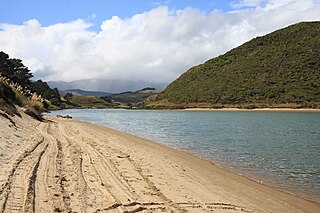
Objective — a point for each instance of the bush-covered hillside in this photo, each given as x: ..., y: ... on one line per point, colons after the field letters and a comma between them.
x: 131, y: 98
x: 85, y: 102
x: 280, y: 68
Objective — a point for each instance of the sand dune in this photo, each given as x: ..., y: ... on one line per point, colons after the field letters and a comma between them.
x: 66, y: 165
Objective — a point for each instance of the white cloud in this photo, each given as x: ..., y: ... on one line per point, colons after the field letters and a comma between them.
x: 92, y: 16
x: 248, y: 3
x: 161, y: 2
x: 157, y: 45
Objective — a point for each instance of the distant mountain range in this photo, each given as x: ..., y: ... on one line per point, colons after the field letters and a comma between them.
x: 79, y: 92
x: 281, y: 68
x: 105, y: 85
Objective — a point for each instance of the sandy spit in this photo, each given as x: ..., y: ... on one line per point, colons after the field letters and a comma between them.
x: 65, y: 165
x: 254, y: 110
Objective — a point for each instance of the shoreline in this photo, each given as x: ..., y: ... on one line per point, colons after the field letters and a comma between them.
x: 72, y: 165
x: 253, y: 110
x: 265, y: 178
x: 226, y: 109
x: 268, y: 181
x: 219, y: 166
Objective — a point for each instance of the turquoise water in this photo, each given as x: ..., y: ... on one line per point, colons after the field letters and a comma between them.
x: 278, y: 148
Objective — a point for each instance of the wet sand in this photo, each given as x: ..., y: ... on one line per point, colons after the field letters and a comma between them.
x: 65, y: 165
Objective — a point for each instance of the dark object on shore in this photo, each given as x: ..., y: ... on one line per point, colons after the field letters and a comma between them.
x: 123, y: 156
x: 64, y: 116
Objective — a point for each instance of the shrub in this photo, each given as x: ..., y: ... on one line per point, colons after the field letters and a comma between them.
x: 38, y: 106
x: 34, y: 113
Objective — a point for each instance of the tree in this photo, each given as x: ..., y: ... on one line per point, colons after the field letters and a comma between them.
x: 14, y: 69
x: 46, y: 92
x: 56, y: 99
x: 68, y: 97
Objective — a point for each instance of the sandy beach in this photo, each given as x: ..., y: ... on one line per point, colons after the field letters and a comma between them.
x: 65, y: 165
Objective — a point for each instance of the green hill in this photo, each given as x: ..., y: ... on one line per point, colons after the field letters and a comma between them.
x: 86, y: 102
x: 279, y: 69
x: 79, y: 92
x: 131, y: 98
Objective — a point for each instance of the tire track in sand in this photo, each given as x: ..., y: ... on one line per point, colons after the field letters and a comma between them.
x: 132, y: 176
x: 128, y: 197
x: 71, y: 188
x: 50, y: 183
x: 98, y: 183
x: 19, y: 192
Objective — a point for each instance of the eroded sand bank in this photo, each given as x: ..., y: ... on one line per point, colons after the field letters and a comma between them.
x: 66, y: 165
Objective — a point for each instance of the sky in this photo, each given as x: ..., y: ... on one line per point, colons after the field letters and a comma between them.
x: 136, y: 40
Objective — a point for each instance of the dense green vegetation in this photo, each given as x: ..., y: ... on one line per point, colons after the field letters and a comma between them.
x: 14, y: 70
x: 12, y: 95
x: 46, y: 92
x: 279, y: 69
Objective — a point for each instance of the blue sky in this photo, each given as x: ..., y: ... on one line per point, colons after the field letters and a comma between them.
x: 136, y: 40
x: 50, y: 12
